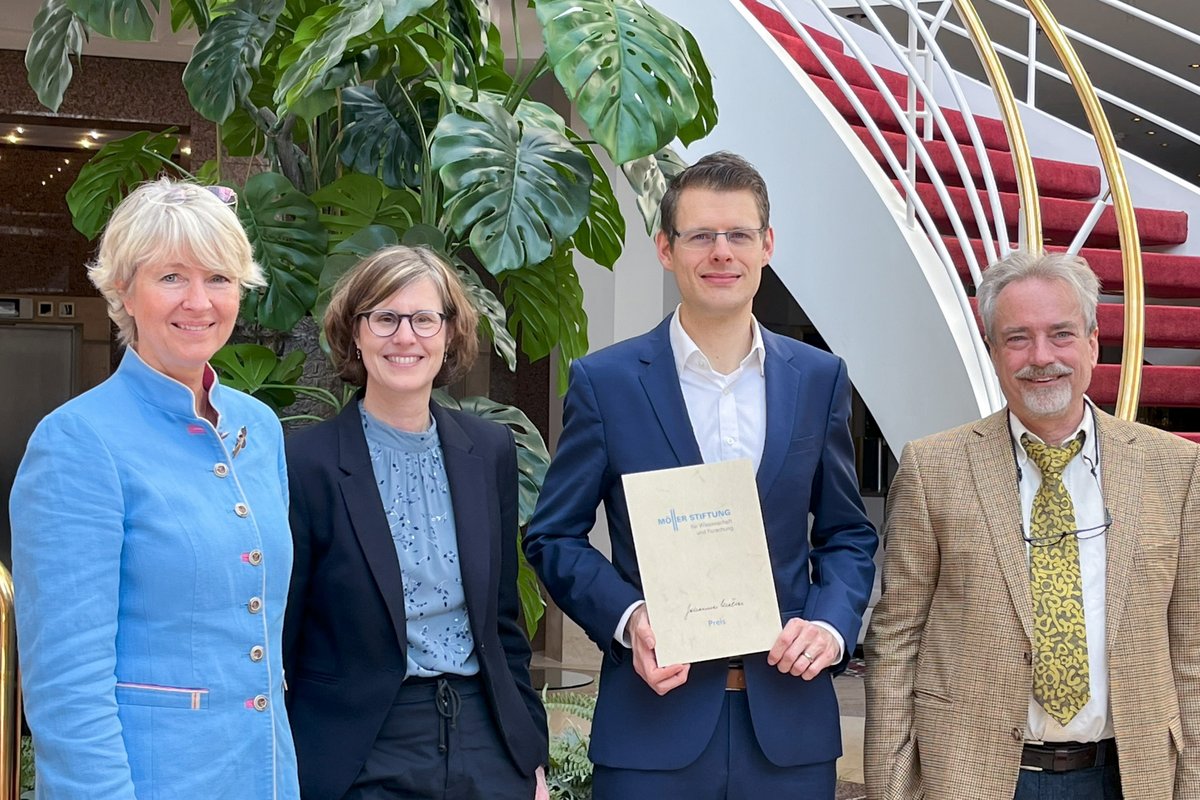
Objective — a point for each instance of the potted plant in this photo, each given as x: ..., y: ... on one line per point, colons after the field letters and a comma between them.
x: 361, y: 123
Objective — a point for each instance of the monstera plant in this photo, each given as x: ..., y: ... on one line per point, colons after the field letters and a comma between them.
x: 359, y: 123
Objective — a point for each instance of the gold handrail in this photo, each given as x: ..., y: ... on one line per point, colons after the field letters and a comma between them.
x: 10, y: 694
x: 1130, y: 387
x: 1031, y: 211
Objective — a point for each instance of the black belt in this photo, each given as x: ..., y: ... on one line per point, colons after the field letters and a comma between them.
x: 1068, y: 756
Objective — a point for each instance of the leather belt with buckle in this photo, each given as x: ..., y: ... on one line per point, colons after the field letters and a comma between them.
x: 1068, y: 756
x: 735, y: 679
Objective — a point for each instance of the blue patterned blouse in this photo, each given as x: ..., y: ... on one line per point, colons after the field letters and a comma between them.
x: 411, y: 476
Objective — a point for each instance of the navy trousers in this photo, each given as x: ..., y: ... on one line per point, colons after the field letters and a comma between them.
x: 440, y: 742
x: 1094, y: 783
x: 732, y: 767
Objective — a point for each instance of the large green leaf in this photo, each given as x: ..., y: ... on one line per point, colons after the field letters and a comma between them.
x: 189, y: 14
x: 532, y: 456
x: 116, y: 19
x: 252, y: 368
x: 350, y: 18
x: 601, y: 235
x: 470, y: 21
x: 706, y: 119
x: 219, y: 72
x: 289, y: 243
x: 381, y: 135
x: 355, y: 201
x: 649, y: 177
x: 627, y: 69
x: 493, y: 317
x: 519, y: 190
x: 344, y: 255
x: 57, y: 35
x: 546, y: 306
x: 111, y: 173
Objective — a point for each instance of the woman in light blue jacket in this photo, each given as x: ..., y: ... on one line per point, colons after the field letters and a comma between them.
x: 151, y: 551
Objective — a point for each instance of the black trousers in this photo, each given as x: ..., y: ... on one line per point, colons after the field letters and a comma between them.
x: 440, y: 742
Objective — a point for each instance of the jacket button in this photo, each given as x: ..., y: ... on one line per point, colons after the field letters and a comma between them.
x: 241, y: 509
x: 1018, y: 734
x: 260, y: 702
x: 221, y: 470
x: 1027, y: 656
x: 254, y: 557
x: 255, y: 605
x: 256, y: 653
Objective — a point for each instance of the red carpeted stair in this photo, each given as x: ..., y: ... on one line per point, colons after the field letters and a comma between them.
x: 1066, y: 193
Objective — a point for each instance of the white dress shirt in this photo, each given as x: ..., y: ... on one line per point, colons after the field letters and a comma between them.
x: 1082, y: 480
x: 728, y: 415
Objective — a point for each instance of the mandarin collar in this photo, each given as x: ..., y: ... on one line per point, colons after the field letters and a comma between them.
x: 164, y: 392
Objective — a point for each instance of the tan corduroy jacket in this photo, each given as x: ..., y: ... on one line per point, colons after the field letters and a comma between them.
x: 949, y: 670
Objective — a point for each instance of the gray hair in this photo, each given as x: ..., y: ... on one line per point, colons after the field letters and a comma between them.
x: 1021, y: 265
x: 163, y: 221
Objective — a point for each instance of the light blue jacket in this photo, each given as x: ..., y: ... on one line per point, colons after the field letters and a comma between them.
x: 151, y: 557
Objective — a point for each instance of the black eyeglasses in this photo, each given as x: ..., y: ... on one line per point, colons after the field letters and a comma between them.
x: 384, y: 323
x: 1082, y: 534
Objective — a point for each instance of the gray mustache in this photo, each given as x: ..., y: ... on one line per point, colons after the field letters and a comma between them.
x: 1052, y: 371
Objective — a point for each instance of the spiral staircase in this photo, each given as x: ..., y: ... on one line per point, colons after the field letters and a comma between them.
x: 894, y: 186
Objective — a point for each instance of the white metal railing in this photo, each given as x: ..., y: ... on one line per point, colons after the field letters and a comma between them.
x: 1033, y: 67
x: 922, y: 47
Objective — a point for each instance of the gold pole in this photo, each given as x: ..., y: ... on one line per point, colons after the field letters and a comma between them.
x: 10, y: 694
x: 1129, y: 390
x: 1031, y: 212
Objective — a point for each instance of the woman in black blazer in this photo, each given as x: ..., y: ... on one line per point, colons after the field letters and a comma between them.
x: 406, y: 666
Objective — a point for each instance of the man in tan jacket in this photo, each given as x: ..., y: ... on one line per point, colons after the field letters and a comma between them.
x: 1039, y: 630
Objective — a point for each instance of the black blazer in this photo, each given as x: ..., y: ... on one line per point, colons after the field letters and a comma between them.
x: 344, y: 638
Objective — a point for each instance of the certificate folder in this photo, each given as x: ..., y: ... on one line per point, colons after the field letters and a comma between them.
x: 702, y: 554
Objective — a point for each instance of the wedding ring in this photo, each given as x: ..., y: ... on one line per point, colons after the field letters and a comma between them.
x: 808, y: 656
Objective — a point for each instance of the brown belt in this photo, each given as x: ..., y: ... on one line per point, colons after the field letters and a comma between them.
x: 735, y: 679
x: 1067, y: 756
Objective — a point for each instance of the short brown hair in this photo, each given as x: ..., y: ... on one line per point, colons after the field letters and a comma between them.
x: 379, y: 276
x: 721, y: 171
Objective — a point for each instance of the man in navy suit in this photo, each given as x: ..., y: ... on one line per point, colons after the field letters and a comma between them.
x: 710, y: 384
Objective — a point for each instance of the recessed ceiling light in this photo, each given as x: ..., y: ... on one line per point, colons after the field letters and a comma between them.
x: 1164, y: 144
x: 59, y: 169
x: 1136, y: 119
x: 66, y: 161
x: 43, y: 183
x: 20, y: 129
x: 1151, y: 133
x: 1194, y: 66
x: 94, y: 134
x: 51, y: 174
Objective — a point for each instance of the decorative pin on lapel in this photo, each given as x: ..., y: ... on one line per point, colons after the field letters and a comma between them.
x: 240, y: 444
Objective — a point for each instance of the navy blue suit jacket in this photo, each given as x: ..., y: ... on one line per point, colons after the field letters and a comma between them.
x: 625, y: 413
x: 345, y: 636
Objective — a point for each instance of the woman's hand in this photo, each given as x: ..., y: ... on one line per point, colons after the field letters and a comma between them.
x: 542, y: 793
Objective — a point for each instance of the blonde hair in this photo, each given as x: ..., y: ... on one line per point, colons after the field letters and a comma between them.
x: 163, y: 221
x: 379, y: 276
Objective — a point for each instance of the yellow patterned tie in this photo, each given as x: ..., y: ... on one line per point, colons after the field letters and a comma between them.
x: 1060, y: 668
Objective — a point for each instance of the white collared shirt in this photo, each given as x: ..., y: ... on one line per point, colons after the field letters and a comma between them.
x: 1082, y: 480
x: 728, y: 412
